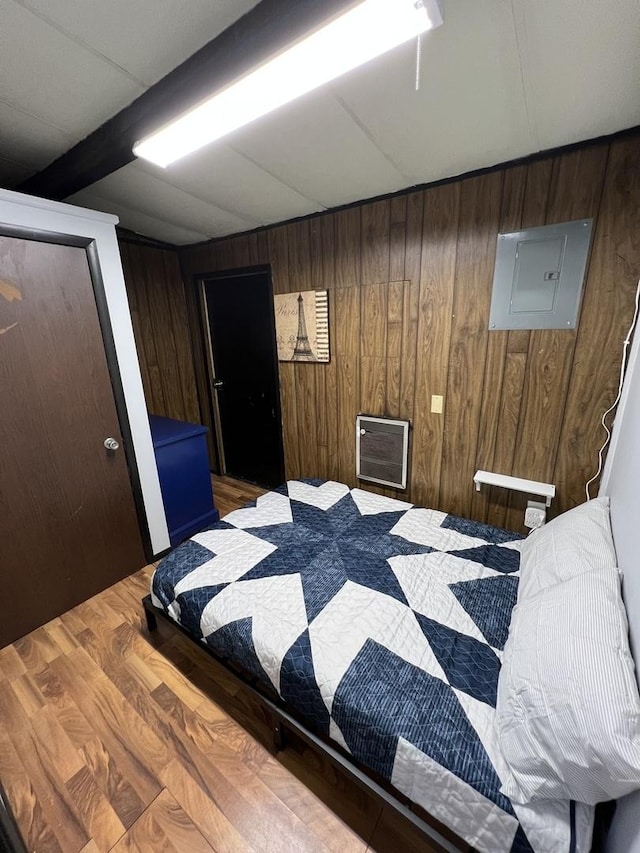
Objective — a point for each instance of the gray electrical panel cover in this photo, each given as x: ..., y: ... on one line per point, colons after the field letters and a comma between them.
x: 539, y: 274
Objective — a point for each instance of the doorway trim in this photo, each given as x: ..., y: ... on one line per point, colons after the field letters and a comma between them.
x: 90, y: 246
x: 210, y: 368
x: 206, y: 352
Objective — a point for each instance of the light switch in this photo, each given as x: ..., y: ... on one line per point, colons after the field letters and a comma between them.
x: 436, y: 404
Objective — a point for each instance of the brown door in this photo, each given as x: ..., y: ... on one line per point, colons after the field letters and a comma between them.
x: 68, y: 524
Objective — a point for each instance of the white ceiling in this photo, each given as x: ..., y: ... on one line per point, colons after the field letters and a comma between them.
x: 500, y: 79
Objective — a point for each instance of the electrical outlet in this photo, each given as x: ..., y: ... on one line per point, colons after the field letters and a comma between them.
x: 437, y: 401
x: 535, y: 514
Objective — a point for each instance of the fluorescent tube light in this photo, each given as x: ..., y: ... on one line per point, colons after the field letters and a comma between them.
x: 365, y: 31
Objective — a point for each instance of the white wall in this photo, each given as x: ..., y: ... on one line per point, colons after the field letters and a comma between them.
x: 41, y: 215
x: 621, y: 481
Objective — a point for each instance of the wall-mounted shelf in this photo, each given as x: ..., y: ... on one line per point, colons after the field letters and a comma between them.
x: 517, y: 484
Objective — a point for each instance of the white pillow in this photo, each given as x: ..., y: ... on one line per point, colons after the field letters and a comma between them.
x: 576, y: 541
x: 568, y: 709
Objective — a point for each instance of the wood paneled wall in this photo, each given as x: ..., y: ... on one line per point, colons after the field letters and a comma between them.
x: 410, y: 285
x: 158, y: 311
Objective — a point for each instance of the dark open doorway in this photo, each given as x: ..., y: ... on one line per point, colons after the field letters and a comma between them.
x: 243, y: 373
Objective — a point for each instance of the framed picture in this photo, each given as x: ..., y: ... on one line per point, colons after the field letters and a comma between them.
x: 302, y: 325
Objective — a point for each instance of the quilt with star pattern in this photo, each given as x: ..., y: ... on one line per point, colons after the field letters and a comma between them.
x: 381, y: 625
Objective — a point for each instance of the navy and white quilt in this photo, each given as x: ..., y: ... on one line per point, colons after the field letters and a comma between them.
x: 381, y: 625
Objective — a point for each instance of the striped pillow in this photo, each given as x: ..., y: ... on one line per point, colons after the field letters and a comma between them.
x: 568, y: 710
x: 576, y: 541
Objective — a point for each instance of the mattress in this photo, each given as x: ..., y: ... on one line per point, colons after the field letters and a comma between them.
x: 381, y: 625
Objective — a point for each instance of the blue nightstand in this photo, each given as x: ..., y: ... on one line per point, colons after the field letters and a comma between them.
x: 185, y: 479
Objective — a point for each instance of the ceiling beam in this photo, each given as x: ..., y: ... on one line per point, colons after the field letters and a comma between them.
x: 250, y: 41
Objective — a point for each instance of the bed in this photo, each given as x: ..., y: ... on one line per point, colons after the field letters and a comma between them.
x: 379, y: 627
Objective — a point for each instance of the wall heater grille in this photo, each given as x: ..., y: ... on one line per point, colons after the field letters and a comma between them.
x: 382, y: 450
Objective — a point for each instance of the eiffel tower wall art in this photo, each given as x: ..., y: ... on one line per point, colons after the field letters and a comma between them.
x: 302, y: 326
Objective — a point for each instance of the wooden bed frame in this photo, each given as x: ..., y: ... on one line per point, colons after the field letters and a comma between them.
x: 283, y: 721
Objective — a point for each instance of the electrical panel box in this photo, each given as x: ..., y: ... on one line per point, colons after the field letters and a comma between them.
x: 538, y: 277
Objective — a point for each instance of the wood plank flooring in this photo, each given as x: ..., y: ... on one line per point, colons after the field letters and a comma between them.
x: 110, y: 740
x: 229, y: 494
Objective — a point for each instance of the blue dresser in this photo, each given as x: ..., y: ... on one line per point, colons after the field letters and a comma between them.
x: 185, y: 479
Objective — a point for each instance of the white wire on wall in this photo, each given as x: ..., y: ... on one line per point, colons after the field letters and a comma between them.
x: 623, y: 367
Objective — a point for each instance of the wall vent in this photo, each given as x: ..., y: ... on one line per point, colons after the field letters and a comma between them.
x: 382, y: 450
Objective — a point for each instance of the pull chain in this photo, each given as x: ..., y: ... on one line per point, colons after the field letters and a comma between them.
x: 418, y: 4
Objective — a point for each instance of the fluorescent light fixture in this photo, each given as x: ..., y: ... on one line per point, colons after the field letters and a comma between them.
x: 365, y: 31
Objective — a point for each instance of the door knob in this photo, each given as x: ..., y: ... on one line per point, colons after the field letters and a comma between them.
x: 111, y: 444
x: 217, y: 383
